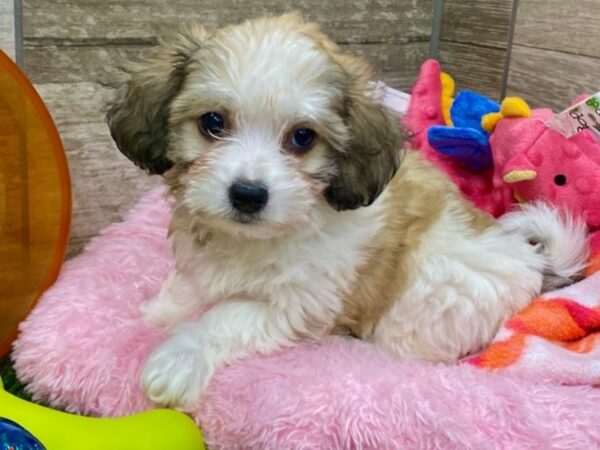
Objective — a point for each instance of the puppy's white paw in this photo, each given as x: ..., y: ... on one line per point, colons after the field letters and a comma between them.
x: 175, y: 374
x: 162, y: 311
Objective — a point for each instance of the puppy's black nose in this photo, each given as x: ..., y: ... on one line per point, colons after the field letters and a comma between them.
x: 248, y: 196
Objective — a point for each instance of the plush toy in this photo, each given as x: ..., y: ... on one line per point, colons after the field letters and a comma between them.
x: 430, y: 106
x: 529, y: 159
x: 34, y: 427
x: 464, y: 139
x: 534, y: 162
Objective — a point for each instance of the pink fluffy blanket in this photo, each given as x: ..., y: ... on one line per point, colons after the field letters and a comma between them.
x: 82, y: 347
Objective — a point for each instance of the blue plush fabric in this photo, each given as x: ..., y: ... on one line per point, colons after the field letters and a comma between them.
x: 466, y: 142
x: 469, y: 107
x: 467, y: 146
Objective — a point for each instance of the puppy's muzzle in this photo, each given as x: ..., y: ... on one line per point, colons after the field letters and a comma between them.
x: 248, y: 197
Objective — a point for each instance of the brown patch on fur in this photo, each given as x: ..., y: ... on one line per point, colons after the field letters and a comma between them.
x: 183, y: 220
x: 371, y: 156
x: 197, y: 169
x: 478, y: 221
x: 173, y: 179
x: 138, y: 118
x: 373, y: 152
x: 414, y: 200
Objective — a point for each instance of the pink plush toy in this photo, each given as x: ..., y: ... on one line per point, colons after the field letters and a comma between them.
x: 531, y: 161
x: 534, y: 162
x: 429, y: 105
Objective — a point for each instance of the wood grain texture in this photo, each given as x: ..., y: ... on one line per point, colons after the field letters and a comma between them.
x: 7, y: 27
x: 88, y: 40
x: 72, y: 64
x: 555, y: 56
x: 480, y: 22
x: 105, y: 183
x: 345, y: 20
x: 72, y: 103
x: 571, y: 26
x: 474, y: 67
x: 396, y: 64
x: 473, y: 43
x: 549, y: 78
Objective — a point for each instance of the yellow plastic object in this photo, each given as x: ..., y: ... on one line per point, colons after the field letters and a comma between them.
x: 157, y: 429
x: 448, y: 87
x: 35, y: 199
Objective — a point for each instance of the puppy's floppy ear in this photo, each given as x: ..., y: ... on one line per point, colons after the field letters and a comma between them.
x: 138, y: 118
x: 373, y: 152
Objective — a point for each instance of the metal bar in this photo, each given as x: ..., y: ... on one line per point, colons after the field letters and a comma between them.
x: 18, y: 6
x: 509, y: 44
x: 434, y: 44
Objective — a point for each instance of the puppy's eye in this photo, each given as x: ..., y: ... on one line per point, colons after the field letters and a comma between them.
x: 211, y: 124
x: 302, y: 140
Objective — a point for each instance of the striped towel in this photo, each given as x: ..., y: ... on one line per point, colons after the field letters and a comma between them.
x: 557, y: 337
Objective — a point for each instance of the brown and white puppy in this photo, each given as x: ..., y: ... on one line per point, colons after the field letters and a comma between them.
x: 289, y: 215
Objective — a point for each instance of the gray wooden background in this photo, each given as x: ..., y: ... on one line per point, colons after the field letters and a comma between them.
x: 72, y: 51
x: 546, y: 51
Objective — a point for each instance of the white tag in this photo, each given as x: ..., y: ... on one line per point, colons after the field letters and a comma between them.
x: 392, y: 98
x: 584, y: 115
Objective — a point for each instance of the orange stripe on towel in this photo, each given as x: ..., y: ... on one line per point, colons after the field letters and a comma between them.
x: 587, y: 318
x: 549, y: 319
x: 584, y: 345
x: 501, y: 354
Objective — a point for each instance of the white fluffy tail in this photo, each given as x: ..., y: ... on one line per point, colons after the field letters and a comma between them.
x: 556, y: 234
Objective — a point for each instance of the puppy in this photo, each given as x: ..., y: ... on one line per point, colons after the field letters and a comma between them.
x: 292, y: 219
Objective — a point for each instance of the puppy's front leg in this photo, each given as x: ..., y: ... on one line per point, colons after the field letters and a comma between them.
x: 178, y: 298
x: 176, y: 373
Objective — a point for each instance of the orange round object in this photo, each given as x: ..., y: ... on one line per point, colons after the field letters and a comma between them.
x: 35, y: 199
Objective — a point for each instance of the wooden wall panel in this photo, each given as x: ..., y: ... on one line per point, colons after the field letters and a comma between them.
x: 7, y: 27
x: 87, y: 40
x: 564, y: 76
x: 105, y: 183
x: 473, y: 43
x: 395, y: 63
x: 555, y: 55
x: 344, y: 20
x: 73, y: 50
x: 474, y: 67
x: 483, y: 23
x: 570, y: 26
